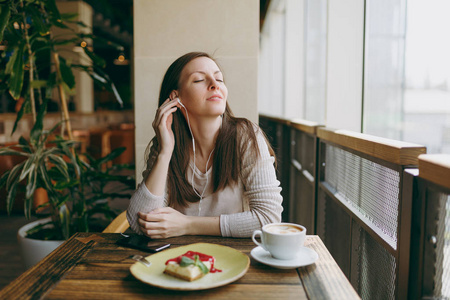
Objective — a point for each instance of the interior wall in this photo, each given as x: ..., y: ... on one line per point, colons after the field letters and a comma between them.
x: 166, y: 29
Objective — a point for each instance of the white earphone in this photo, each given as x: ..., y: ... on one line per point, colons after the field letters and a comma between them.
x: 193, y: 169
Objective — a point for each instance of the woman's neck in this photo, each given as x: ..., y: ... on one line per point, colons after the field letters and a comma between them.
x: 205, y: 133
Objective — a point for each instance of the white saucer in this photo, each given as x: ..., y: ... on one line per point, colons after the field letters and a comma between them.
x: 305, y: 257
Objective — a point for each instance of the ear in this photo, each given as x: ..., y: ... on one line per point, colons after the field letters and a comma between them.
x: 173, y: 94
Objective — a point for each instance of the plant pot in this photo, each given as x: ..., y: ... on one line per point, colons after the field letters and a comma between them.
x: 32, y: 250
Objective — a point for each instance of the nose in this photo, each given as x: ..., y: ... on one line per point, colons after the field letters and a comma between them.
x: 214, y: 85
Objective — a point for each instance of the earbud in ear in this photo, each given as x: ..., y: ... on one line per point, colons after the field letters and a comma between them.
x: 178, y: 99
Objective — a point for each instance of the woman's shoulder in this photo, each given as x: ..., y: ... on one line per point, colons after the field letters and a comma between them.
x: 250, y: 135
x: 248, y: 129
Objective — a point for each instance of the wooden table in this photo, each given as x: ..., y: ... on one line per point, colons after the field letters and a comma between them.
x: 92, y: 266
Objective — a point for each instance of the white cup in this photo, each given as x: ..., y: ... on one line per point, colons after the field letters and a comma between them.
x: 282, y: 240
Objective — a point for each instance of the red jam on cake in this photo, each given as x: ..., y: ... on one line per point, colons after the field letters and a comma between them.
x: 191, y: 266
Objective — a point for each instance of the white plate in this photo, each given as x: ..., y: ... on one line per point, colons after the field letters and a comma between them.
x: 305, y: 257
x: 233, y: 263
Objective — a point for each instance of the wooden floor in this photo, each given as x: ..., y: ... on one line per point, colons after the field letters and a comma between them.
x: 10, y: 260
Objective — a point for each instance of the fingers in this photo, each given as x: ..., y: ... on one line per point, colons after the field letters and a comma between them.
x: 163, y: 210
x: 155, y: 233
x: 154, y: 229
x: 149, y: 217
x: 159, y: 223
x: 163, y: 112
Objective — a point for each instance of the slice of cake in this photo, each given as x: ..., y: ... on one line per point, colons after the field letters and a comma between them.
x: 190, y: 266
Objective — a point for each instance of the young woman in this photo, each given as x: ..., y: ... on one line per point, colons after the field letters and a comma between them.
x: 208, y: 172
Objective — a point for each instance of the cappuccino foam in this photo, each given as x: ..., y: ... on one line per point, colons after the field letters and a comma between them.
x: 283, y: 229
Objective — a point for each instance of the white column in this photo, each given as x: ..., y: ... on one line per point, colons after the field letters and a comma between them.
x: 84, y: 88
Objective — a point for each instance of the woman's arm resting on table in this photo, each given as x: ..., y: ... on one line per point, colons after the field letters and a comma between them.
x: 167, y: 222
x: 142, y: 201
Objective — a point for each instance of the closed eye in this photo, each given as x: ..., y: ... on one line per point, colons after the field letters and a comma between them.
x: 200, y: 80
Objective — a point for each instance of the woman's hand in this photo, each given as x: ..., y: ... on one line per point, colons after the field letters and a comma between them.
x: 163, y: 126
x: 163, y: 223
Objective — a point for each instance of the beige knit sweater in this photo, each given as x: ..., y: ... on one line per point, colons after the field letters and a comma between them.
x: 244, y: 207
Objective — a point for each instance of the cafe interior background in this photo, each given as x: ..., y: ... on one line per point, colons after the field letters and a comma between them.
x: 380, y: 68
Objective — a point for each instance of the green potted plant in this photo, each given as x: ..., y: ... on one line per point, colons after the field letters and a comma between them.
x: 76, y: 188
x: 30, y: 68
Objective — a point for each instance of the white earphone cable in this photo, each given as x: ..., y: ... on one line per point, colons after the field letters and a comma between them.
x: 193, y: 169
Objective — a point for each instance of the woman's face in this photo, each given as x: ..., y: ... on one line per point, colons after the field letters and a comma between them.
x: 201, y: 88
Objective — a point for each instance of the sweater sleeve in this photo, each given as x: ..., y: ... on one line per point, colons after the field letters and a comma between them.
x: 262, y: 189
x: 143, y: 200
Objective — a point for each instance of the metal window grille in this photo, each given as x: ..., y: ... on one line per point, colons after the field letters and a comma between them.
x: 370, y: 188
x: 441, y: 280
x: 373, y: 269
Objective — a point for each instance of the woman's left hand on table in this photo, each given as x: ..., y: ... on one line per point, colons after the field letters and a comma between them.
x: 163, y: 222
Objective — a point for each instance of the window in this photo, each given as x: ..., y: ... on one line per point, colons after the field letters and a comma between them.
x: 427, y: 75
x: 407, y: 72
x: 292, y: 70
x: 315, y: 60
x: 271, y: 67
x: 384, y: 68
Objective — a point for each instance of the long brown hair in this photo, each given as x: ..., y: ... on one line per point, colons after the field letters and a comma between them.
x: 229, y: 149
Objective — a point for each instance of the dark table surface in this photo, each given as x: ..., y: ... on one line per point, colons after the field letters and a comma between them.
x: 93, y: 266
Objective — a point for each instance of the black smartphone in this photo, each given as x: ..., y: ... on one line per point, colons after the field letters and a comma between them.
x: 143, y: 243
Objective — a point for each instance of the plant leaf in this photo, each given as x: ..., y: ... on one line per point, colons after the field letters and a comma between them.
x: 59, y: 23
x: 24, y: 145
x: 27, y: 206
x: 31, y: 184
x: 115, y: 153
x: 66, y: 73
x: 60, y: 164
x: 64, y: 216
x: 36, y: 131
x: 37, y: 84
x: 5, y: 12
x: 61, y: 42
x: 48, y: 133
x: 38, y: 227
x: 116, y: 94
x: 69, y: 16
x: 28, y: 167
x: 16, y: 70
x: 45, y: 178
x: 52, y: 9
x: 20, y: 114
x: 11, y: 196
x: 103, y: 80
x: 38, y: 23
x: 97, y: 60
x: 14, y: 176
x: 4, y: 178
x: 61, y: 185
x: 9, y: 151
x: 109, y: 85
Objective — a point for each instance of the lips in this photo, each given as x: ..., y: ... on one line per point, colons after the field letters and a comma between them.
x: 215, y: 97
